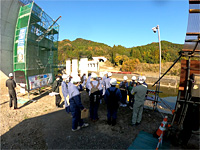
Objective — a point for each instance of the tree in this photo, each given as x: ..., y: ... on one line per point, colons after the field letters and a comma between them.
x: 120, y: 59
x: 130, y: 65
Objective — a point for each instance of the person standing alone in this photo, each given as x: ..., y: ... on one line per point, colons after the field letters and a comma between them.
x: 10, y: 83
x: 55, y: 89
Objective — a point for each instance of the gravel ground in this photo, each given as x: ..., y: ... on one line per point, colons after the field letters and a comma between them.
x: 40, y: 125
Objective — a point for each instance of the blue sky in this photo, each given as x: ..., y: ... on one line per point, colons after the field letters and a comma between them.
x: 116, y: 22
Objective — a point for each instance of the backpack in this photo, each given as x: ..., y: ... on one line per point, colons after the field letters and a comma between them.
x: 112, y: 99
x: 94, y: 93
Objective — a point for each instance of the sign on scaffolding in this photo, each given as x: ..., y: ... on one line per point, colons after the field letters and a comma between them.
x: 39, y: 81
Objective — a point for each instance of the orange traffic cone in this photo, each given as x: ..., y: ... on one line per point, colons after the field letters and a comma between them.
x: 160, y: 131
x: 162, y: 128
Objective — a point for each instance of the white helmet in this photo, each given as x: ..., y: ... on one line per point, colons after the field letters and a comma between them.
x: 133, y: 78
x: 109, y: 74
x: 93, y: 75
x: 125, y: 77
x: 10, y: 74
x: 74, y: 74
x: 140, y: 79
x: 105, y: 72
x: 76, y: 79
x: 113, y: 81
x: 144, y: 78
x: 101, y: 75
x: 64, y: 76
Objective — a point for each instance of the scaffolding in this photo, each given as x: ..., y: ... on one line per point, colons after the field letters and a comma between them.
x: 32, y: 57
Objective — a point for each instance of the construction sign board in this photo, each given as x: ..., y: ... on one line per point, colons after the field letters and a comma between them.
x: 39, y: 81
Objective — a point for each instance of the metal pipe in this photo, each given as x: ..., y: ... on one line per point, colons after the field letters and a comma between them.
x: 192, y: 102
x: 168, y: 70
x: 176, y: 107
x: 159, y: 51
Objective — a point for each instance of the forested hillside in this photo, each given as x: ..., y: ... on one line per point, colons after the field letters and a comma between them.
x: 119, y: 55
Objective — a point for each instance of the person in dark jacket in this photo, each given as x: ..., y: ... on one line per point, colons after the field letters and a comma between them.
x: 76, y: 104
x: 130, y: 87
x: 10, y: 83
x: 112, y: 97
x: 123, y: 86
x: 55, y: 89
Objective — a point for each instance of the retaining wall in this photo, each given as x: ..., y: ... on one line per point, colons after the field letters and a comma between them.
x: 171, y: 82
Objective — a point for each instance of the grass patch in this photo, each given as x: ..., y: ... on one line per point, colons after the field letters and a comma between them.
x: 26, y: 117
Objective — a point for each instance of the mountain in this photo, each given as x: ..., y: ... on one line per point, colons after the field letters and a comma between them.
x: 148, y: 53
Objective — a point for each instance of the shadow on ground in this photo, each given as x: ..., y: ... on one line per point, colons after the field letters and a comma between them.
x: 35, y: 99
x: 53, y: 131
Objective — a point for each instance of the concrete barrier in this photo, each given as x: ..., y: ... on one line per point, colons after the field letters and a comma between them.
x: 171, y: 82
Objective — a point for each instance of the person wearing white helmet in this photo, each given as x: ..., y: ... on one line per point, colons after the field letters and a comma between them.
x: 139, y: 96
x: 75, y: 104
x: 130, y: 87
x: 55, y: 88
x: 11, y: 84
x: 65, y: 91
x: 83, y: 80
x: 103, y: 81
x: 112, y: 97
x: 106, y: 82
x: 88, y: 82
x: 144, y: 83
x: 123, y: 88
x: 95, y: 89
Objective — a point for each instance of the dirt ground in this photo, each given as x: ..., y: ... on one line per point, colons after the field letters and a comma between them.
x: 38, y: 124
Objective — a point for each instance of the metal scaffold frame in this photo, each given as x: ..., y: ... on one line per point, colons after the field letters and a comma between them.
x: 33, y: 57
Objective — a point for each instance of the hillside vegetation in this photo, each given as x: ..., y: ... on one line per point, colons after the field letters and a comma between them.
x: 126, y: 58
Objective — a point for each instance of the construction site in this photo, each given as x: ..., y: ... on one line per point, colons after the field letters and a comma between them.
x: 29, y: 49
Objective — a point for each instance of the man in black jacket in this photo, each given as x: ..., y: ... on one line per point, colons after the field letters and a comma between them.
x: 10, y: 83
x: 55, y: 89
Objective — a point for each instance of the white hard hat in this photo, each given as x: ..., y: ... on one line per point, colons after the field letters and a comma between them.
x: 64, y: 76
x: 105, y: 72
x: 144, y: 78
x: 101, y: 75
x: 133, y: 78
x: 10, y: 74
x: 140, y: 79
x: 113, y: 81
x: 109, y: 74
x: 125, y: 77
x: 93, y: 75
x: 75, y: 79
x: 74, y: 74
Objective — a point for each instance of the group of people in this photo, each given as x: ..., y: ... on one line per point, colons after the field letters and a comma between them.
x: 99, y: 88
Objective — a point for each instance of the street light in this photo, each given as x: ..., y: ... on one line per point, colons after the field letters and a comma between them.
x: 158, y: 87
x: 154, y: 30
